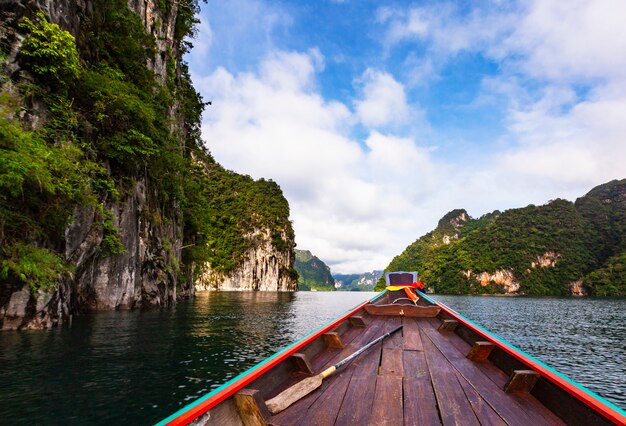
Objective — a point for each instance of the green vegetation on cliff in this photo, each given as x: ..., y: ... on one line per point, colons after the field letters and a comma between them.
x: 535, y: 250
x: 223, y: 210
x: 313, y: 273
x: 85, y: 119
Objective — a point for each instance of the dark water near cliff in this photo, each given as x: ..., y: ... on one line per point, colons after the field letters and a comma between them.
x: 139, y: 367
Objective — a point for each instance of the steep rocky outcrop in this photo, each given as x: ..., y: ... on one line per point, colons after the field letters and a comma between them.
x: 125, y: 249
x: 504, y: 279
x: 141, y: 275
x: 313, y: 273
x: 560, y: 248
x: 263, y: 268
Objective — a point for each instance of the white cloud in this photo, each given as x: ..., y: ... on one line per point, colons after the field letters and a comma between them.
x: 561, y: 79
x: 443, y: 30
x: 583, y: 146
x: 561, y: 82
x: 383, y: 102
x: 571, y: 41
x: 352, y: 205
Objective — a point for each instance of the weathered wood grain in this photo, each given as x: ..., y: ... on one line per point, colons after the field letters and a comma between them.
x: 521, y: 381
x: 395, y: 340
x: 356, y: 407
x: 448, y: 325
x: 506, y: 407
x: 411, y: 335
x: 414, y: 364
x: 302, y: 363
x: 480, y: 351
x: 301, y: 409
x: 391, y: 362
x: 251, y: 407
x: 420, y: 403
x: 454, y: 406
x: 402, y: 310
x: 387, y: 407
x: 333, y: 340
x: 485, y: 413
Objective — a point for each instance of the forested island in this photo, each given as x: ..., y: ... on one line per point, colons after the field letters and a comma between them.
x: 108, y: 197
x: 559, y: 248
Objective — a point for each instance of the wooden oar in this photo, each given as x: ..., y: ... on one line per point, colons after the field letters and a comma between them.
x: 308, y: 385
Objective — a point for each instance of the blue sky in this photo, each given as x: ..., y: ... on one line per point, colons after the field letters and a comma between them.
x: 377, y: 118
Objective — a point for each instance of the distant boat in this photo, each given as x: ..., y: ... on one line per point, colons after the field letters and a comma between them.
x: 437, y: 368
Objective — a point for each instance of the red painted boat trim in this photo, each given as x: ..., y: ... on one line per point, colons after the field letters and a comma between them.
x: 200, y: 409
x: 572, y: 389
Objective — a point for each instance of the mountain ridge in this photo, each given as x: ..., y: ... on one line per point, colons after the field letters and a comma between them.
x: 558, y: 248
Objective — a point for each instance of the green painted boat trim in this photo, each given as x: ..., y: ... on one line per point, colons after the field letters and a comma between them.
x: 552, y: 370
x: 251, y: 369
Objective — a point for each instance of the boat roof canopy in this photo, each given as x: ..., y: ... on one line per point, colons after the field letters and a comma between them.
x: 400, y: 277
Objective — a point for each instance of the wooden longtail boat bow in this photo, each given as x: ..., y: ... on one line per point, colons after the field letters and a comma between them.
x: 308, y: 385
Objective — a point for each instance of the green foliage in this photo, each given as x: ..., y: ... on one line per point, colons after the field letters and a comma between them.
x: 43, y: 180
x: 222, y: 212
x: 610, y: 279
x: 313, y: 274
x: 584, y: 235
x: 118, y: 39
x: 39, y: 267
x: 50, y: 52
x: 186, y: 22
x: 109, y: 124
x: 292, y: 273
x: 111, y: 238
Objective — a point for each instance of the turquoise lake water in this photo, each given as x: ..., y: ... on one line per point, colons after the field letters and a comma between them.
x: 139, y: 367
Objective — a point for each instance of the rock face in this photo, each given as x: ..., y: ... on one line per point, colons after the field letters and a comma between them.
x: 145, y: 273
x: 546, y: 260
x: 141, y: 275
x: 578, y: 288
x: 357, y: 282
x: 503, y: 278
x: 313, y: 273
x: 264, y: 268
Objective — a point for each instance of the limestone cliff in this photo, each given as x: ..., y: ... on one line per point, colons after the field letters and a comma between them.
x: 357, y: 282
x: 131, y: 120
x: 263, y: 268
x: 138, y: 276
x: 313, y: 273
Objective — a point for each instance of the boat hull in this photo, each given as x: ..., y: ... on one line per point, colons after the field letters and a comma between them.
x: 440, y: 369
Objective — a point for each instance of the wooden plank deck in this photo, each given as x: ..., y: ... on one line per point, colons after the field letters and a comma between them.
x: 419, y: 376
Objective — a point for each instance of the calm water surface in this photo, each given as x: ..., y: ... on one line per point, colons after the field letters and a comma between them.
x: 139, y: 367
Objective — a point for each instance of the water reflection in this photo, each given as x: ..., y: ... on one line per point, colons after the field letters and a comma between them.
x: 139, y: 367
x: 584, y: 339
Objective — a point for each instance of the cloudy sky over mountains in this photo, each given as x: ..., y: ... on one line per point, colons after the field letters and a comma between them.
x: 377, y: 118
